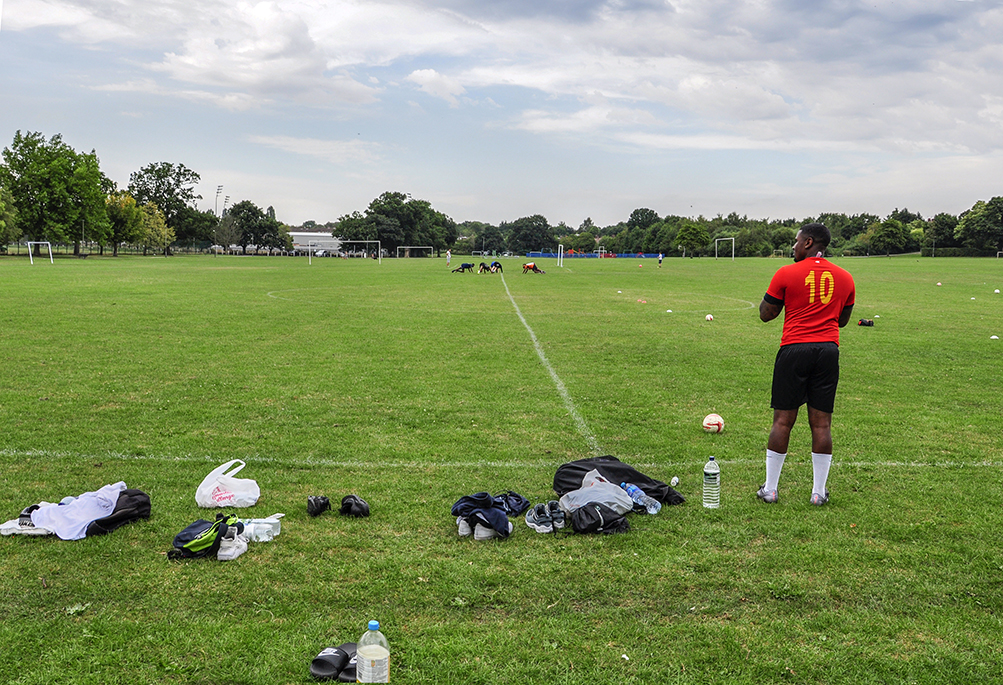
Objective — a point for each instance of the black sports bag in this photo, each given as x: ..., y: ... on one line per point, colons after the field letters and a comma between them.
x: 569, y: 477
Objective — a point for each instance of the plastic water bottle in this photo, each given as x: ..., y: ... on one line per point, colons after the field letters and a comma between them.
x: 373, y: 656
x: 652, y: 505
x: 711, y: 484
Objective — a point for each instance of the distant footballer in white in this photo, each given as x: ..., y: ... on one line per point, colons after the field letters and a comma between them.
x: 713, y: 423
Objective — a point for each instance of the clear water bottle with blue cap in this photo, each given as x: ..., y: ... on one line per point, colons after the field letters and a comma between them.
x: 650, y: 504
x: 711, y: 484
x: 373, y: 656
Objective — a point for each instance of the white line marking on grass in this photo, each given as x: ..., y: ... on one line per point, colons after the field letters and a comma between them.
x: 583, y: 429
x: 353, y: 463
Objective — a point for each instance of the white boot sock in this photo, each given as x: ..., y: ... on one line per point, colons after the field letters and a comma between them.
x: 820, y: 468
x: 774, y: 464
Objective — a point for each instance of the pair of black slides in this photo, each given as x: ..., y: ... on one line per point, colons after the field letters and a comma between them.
x: 335, y: 663
x: 351, y: 505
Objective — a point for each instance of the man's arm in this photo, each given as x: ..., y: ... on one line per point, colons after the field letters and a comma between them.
x: 769, y: 309
x: 844, y: 316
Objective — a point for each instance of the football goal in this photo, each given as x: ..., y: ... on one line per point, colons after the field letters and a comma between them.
x: 716, y: 241
x: 39, y: 242
x: 409, y: 251
x: 366, y: 251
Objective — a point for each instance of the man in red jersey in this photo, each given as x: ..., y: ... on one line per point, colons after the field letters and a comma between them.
x: 818, y: 297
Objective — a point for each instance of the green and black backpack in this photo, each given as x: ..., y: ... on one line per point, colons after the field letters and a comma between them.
x: 201, y: 539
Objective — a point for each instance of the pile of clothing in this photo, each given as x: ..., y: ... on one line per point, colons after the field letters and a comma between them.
x: 84, y: 515
x: 485, y: 516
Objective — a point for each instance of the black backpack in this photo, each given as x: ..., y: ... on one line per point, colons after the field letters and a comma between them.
x: 202, y: 538
x: 598, y: 518
x: 132, y: 505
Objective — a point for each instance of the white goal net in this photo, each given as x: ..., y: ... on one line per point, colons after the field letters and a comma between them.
x: 408, y: 251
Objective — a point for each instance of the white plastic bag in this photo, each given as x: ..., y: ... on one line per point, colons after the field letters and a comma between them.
x: 262, y: 530
x: 595, y: 488
x: 221, y: 489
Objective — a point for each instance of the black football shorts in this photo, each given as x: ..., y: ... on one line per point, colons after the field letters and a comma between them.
x: 806, y: 372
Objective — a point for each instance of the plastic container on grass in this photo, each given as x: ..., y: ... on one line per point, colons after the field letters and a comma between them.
x: 711, y: 484
x: 650, y: 504
x: 373, y: 656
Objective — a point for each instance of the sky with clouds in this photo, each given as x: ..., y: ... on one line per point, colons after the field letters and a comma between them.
x: 496, y: 109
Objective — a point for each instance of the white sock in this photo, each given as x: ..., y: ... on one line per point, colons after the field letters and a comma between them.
x: 774, y: 464
x: 820, y: 468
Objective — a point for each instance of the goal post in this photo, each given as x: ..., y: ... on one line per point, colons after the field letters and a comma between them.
x: 366, y: 243
x: 717, y: 240
x: 414, y: 251
x: 47, y: 244
x: 560, y: 256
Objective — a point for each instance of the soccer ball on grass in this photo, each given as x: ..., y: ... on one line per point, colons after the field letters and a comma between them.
x: 713, y: 423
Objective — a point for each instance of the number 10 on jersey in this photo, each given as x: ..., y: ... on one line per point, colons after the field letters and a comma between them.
x: 825, y: 287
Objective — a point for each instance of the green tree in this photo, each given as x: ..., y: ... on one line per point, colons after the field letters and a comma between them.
x: 981, y: 227
x: 940, y: 231
x: 58, y: 193
x: 354, y: 226
x: 642, y: 218
x: 169, y: 186
x: 483, y: 237
x: 904, y: 216
x: 529, y: 234
x: 584, y: 242
x: 125, y: 219
x: 753, y: 241
x: 692, y: 236
x: 156, y: 233
x: 888, y: 236
x: 257, y: 228
x: 9, y: 232
x: 192, y: 226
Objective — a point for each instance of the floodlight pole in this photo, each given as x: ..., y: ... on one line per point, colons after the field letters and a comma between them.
x: 219, y: 189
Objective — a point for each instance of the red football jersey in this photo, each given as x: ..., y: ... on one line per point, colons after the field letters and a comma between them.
x: 814, y: 292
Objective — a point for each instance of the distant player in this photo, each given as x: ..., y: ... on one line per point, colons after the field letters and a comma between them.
x: 818, y: 297
x: 449, y: 257
x: 464, y: 268
x: 496, y: 267
x: 660, y: 255
x: 531, y: 266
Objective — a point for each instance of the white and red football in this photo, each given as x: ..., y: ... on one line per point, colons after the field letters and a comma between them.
x: 713, y: 423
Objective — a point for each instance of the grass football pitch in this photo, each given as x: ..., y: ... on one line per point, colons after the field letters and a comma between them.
x: 412, y: 386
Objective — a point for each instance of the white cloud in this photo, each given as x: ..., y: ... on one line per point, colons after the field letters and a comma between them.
x: 334, y: 151
x: 437, y: 85
x: 232, y: 101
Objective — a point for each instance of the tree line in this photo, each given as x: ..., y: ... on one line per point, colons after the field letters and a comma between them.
x: 49, y: 191
x: 978, y: 231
